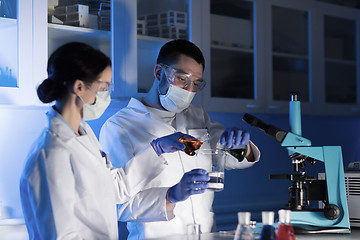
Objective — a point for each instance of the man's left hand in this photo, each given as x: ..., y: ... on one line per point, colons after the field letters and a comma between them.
x: 233, y: 137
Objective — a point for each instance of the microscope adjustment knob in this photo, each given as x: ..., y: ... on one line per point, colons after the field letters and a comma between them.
x: 331, y: 211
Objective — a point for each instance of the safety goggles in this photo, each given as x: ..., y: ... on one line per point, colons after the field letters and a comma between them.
x: 183, y: 79
x: 104, y: 87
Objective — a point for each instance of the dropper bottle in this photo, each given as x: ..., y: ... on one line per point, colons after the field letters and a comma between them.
x: 285, y: 229
x: 268, y: 230
x: 243, y: 229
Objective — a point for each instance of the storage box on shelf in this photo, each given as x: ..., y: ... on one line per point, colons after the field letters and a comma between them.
x: 76, y: 15
x: 104, y: 15
x: 167, y: 32
x: 169, y: 18
x: 141, y: 27
x: 94, y: 14
x: 170, y: 24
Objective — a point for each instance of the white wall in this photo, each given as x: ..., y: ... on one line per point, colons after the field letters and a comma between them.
x: 19, y: 127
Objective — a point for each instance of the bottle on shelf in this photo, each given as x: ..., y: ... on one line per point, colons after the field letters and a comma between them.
x: 243, y: 229
x: 285, y: 229
x: 268, y: 230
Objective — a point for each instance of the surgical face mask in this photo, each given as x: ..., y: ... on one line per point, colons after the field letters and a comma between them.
x: 176, y: 99
x: 94, y: 111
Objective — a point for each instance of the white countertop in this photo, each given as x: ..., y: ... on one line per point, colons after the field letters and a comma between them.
x: 355, y: 234
x: 13, y: 229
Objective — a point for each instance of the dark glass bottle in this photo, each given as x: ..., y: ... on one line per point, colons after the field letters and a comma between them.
x: 268, y: 230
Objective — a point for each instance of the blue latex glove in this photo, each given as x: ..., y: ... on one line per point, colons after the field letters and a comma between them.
x: 233, y: 137
x: 169, y: 143
x: 193, y: 182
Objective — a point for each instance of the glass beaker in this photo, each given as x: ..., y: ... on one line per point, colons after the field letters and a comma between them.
x: 216, y: 173
x: 193, y: 231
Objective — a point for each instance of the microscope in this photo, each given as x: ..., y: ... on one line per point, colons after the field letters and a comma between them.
x: 317, y: 205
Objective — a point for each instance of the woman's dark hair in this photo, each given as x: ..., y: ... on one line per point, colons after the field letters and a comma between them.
x: 170, y: 52
x: 70, y: 62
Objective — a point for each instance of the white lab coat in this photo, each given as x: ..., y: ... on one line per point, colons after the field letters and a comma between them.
x: 124, y: 135
x: 69, y: 189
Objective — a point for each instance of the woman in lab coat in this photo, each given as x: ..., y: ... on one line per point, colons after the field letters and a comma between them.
x: 69, y: 189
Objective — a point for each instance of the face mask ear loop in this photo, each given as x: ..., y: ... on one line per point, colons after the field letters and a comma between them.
x: 91, y: 90
x: 81, y: 99
x: 163, y: 83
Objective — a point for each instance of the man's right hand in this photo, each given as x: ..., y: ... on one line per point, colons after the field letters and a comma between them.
x: 169, y: 143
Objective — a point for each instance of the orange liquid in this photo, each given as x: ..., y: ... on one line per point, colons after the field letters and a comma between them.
x: 191, y: 145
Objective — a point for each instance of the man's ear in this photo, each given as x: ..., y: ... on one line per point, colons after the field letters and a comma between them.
x: 157, y: 71
x: 78, y: 87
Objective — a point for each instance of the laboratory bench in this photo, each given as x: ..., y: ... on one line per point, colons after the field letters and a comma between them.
x: 355, y: 234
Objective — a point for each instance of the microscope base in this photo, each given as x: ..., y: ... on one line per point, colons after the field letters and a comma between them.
x: 315, y: 222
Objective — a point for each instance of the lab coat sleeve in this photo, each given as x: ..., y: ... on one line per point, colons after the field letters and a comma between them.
x: 153, y: 209
x: 137, y: 170
x: 232, y: 162
x: 136, y: 173
x: 114, y: 140
x: 60, y: 190
x: 34, y: 192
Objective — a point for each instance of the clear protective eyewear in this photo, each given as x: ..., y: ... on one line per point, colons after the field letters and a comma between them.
x: 105, y: 87
x: 182, y: 79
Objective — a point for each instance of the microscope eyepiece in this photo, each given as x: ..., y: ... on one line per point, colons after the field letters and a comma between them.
x: 269, y: 130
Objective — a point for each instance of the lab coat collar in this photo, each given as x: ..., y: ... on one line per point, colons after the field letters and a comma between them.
x: 62, y: 129
x: 138, y: 106
x: 59, y: 126
x: 148, y: 121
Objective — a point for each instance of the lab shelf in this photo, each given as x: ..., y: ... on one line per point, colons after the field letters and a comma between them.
x: 65, y: 31
x: 340, y: 61
x: 153, y: 39
x: 8, y: 22
x: 289, y: 55
x: 237, y: 49
x: 61, y: 34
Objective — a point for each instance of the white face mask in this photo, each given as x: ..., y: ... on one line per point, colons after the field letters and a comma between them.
x: 94, y: 111
x: 176, y: 99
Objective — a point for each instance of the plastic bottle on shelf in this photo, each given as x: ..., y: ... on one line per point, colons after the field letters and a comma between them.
x: 268, y: 230
x: 243, y: 229
x: 285, y: 229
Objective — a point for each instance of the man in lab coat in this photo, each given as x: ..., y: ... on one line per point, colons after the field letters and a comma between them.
x: 167, y: 109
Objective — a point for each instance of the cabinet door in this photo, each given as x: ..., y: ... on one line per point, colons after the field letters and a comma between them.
x: 340, y: 38
x: 9, y: 44
x: 158, y: 21
x: 288, y: 55
x: 16, y: 82
x: 87, y: 21
x: 145, y: 26
x: 53, y: 23
x: 235, y: 69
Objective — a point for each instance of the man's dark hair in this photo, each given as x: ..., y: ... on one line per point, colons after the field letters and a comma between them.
x: 170, y: 52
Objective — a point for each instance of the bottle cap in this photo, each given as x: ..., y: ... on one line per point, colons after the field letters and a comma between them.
x: 267, y: 217
x: 284, y: 216
x: 244, y: 218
